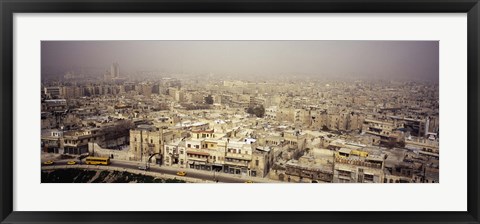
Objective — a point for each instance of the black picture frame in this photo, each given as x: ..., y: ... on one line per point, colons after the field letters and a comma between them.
x: 9, y: 7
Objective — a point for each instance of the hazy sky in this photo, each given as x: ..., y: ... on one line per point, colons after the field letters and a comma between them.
x: 418, y: 60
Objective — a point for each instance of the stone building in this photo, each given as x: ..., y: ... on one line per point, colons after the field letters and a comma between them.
x: 147, y: 141
x: 262, y: 160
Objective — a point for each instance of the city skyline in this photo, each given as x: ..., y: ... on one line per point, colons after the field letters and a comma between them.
x: 395, y: 60
x: 276, y: 125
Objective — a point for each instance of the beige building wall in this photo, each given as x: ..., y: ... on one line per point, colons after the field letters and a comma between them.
x: 146, y: 142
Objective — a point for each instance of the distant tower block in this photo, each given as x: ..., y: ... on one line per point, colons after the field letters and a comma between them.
x: 114, y: 70
x: 108, y: 75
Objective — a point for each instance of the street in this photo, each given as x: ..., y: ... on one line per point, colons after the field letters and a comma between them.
x: 191, y: 173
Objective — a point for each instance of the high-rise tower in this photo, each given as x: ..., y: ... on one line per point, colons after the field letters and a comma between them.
x: 114, y: 70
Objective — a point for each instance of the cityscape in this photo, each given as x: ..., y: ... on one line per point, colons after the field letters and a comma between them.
x: 240, y: 112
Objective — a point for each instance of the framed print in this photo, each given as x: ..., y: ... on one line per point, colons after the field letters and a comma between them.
x: 246, y: 112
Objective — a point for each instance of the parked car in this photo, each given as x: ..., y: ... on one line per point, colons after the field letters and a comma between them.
x: 143, y: 167
x: 49, y: 162
x: 181, y: 173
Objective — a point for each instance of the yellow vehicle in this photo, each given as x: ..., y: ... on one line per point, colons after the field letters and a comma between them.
x: 181, y: 173
x: 249, y: 182
x: 71, y: 162
x: 97, y: 160
x: 50, y: 162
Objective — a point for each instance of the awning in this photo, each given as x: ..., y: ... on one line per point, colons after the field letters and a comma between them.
x: 197, y: 158
x: 198, y: 153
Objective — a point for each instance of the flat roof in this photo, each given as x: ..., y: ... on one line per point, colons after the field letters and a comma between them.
x: 345, y: 150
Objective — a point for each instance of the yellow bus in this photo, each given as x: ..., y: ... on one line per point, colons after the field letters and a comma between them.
x: 97, y: 160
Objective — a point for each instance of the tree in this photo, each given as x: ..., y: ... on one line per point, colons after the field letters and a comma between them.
x: 325, y: 128
x: 209, y: 99
x: 258, y: 111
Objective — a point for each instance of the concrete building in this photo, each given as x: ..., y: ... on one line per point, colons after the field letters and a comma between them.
x: 384, y: 131
x: 357, y: 166
x: 76, y: 142
x: 115, y: 70
x: 175, y: 154
x: 53, y: 92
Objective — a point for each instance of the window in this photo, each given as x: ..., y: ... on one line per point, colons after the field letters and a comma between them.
x: 189, y: 146
x: 256, y: 162
x: 368, y: 177
x: 344, y: 173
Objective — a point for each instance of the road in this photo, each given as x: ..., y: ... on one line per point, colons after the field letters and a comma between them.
x: 190, y: 173
x: 203, y: 175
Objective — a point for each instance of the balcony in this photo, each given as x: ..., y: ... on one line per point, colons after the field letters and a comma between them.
x: 236, y: 163
x: 239, y: 156
x: 51, y: 144
x: 359, y: 162
x: 197, y: 152
x: 70, y: 145
x: 205, y: 160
